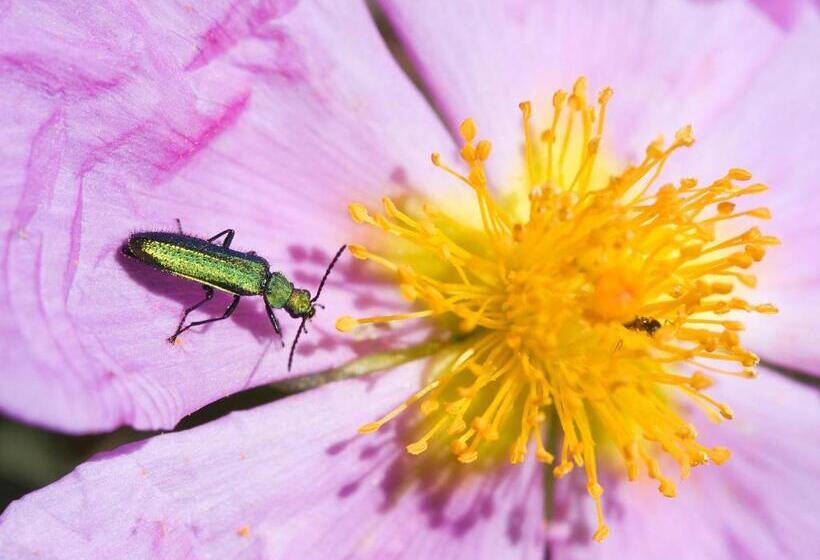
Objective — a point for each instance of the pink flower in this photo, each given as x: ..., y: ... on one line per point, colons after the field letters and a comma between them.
x: 270, y: 118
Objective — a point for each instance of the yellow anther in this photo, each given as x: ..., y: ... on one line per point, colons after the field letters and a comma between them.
x: 755, y: 189
x: 346, y: 324
x: 700, y: 381
x: 544, y: 456
x: 480, y: 425
x: 739, y: 174
x: 429, y: 406
x: 467, y: 129
x: 726, y: 412
x: 756, y: 252
x: 483, y: 149
x: 558, y: 98
x: 688, y: 183
x: 369, y: 428
x: 722, y: 287
x: 655, y: 148
x: 667, y: 488
x: 358, y: 251
x: 468, y: 153
x: 726, y: 208
x: 719, y: 455
x: 389, y: 207
x: 595, y: 490
x: 762, y: 213
x: 577, y: 100
x: 458, y: 446
x: 358, y: 212
x: 749, y: 280
x: 468, y: 457
x: 562, y: 469
x: 416, y: 448
x: 741, y: 260
x: 685, y: 136
x: 517, y: 453
x: 601, y: 533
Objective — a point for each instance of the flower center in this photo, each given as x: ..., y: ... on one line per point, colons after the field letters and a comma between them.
x: 598, y: 312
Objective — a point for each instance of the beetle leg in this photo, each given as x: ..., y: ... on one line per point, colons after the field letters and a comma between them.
x: 274, y: 322
x: 228, y: 233
x: 209, y: 294
x: 228, y: 312
x: 179, y: 225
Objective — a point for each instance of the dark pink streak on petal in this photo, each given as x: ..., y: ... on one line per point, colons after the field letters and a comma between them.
x: 783, y: 13
x: 243, y: 19
x: 273, y: 137
x: 169, y: 158
x: 287, y: 62
x: 178, y: 155
x: 55, y: 77
x: 45, y: 156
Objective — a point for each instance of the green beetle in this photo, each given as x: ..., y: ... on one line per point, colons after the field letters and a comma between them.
x: 216, y: 266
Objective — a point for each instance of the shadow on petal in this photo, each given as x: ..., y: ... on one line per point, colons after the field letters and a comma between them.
x: 451, y: 496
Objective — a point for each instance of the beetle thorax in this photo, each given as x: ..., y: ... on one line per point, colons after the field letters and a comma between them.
x: 278, y: 290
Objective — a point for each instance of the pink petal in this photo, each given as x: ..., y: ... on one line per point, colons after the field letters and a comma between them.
x: 265, y: 117
x: 664, y: 61
x: 773, y: 129
x: 291, y: 479
x: 783, y: 13
x: 748, y: 86
x: 761, y: 504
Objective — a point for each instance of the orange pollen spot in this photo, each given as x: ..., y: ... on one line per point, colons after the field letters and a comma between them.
x: 617, y: 295
x: 592, y: 312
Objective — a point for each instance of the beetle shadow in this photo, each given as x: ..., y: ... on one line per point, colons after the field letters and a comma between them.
x: 186, y: 293
x: 251, y: 314
x: 347, y: 274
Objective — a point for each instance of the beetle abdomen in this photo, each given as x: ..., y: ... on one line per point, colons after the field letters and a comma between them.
x: 198, y: 260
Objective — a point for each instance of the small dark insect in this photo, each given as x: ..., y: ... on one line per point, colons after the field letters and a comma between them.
x: 645, y: 324
x: 219, y: 267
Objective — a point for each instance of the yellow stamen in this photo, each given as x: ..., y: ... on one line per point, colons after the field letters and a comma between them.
x: 584, y: 316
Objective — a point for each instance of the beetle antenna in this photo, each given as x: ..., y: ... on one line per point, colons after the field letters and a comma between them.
x: 318, y: 291
x: 327, y: 273
x: 295, y: 341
